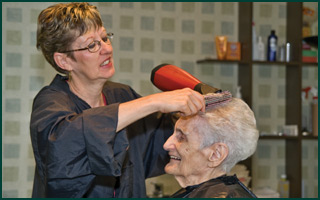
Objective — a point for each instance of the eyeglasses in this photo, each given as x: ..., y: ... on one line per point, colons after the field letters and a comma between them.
x: 95, y: 45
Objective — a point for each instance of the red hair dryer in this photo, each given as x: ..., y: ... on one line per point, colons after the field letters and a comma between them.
x: 168, y: 77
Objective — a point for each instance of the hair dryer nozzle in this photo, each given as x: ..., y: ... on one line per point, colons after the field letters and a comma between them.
x: 205, y: 89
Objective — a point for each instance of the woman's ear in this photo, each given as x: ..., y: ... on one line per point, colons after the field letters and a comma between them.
x: 218, y: 153
x: 63, y: 61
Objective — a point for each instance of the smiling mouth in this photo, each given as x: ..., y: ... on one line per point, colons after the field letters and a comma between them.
x: 175, y: 158
x: 105, y: 62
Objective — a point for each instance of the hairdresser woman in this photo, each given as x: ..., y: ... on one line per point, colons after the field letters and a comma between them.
x: 92, y: 137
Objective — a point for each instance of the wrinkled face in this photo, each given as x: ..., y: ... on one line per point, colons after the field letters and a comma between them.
x: 93, y: 66
x: 187, y: 160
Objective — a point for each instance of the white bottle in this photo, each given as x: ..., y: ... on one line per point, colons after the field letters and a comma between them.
x: 314, y: 107
x: 283, y: 186
x: 261, y: 50
x: 254, y: 43
x: 238, y: 92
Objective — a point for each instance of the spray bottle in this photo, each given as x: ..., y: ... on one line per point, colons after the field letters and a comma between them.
x: 314, y: 107
x: 310, y: 113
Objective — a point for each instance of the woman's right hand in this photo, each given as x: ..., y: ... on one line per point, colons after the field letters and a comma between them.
x: 185, y: 101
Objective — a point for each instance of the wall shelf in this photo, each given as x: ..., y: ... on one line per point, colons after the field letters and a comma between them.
x: 310, y: 64
x: 212, y: 60
x: 311, y: 137
x: 275, y: 137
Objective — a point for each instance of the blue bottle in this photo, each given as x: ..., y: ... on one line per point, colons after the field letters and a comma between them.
x: 272, y: 46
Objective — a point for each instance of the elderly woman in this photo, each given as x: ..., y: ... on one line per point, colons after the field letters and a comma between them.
x: 205, y: 146
x: 92, y: 137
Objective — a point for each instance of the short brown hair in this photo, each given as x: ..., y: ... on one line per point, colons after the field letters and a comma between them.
x: 61, y: 24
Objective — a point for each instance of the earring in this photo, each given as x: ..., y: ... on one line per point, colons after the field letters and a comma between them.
x: 69, y: 76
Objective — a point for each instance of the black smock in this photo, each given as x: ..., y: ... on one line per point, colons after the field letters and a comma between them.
x: 220, y: 187
x: 78, y: 152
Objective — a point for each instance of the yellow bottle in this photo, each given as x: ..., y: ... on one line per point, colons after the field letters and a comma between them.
x: 283, y: 186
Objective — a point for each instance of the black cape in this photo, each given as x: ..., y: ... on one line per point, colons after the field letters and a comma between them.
x: 220, y: 187
x: 78, y: 152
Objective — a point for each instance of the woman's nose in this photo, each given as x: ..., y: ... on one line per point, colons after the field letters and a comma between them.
x: 106, y: 47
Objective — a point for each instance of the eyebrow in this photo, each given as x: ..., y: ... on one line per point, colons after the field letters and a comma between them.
x: 179, y: 130
x: 104, y: 31
x: 91, y: 37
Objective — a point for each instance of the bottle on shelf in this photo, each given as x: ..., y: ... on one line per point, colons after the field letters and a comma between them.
x: 288, y: 52
x: 281, y: 53
x: 238, y: 92
x: 254, y: 43
x: 272, y: 46
x: 314, y: 106
x: 261, y: 50
x: 315, y: 116
x: 283, y: 186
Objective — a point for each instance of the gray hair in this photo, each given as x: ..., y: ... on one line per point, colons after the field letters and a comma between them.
x: 233, y: 124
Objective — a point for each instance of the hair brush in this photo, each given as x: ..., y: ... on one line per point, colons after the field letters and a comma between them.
x: 215, y: 99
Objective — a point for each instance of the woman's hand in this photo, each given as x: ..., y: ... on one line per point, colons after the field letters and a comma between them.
x: 185, y: 101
